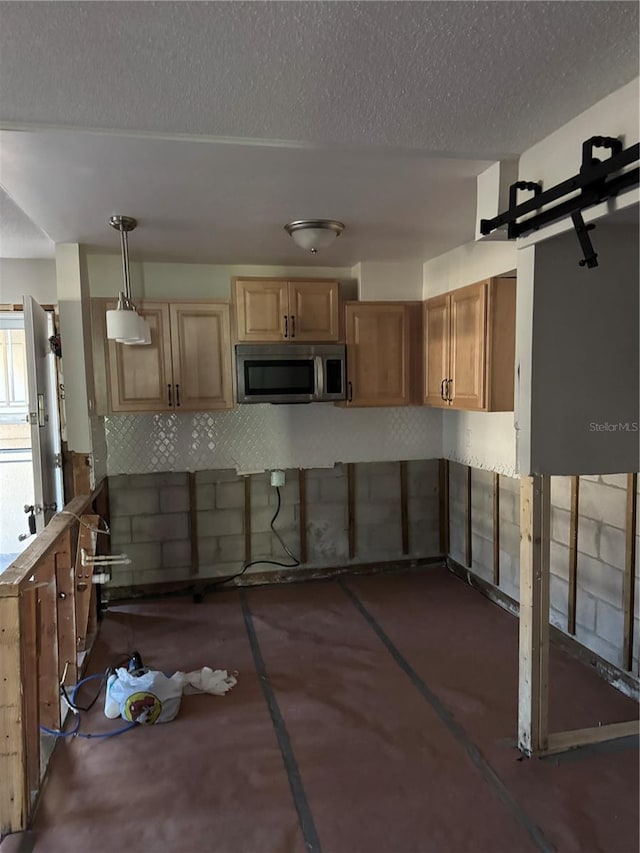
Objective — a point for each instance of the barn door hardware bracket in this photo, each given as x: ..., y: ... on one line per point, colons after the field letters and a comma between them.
x: 597, y: 181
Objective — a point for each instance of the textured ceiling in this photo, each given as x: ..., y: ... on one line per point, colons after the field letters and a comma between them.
x: 468, y: 80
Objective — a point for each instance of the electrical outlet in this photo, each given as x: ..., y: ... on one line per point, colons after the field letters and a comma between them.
x: 468, y: 437
x: 277, y: 478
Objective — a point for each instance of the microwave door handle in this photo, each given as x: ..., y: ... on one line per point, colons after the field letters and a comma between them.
x: 319, y: 389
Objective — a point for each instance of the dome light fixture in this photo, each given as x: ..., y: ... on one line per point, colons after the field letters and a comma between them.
x: 314, y: 234
x: 124, y: 324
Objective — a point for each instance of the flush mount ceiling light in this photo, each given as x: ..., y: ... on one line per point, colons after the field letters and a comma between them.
x: 124, y: 324
x: 314, y: 234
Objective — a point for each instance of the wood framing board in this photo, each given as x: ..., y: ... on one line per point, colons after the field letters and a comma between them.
x: 496, y: 529
x: 404, y: 507
x: 13, y: 802
x: 573, y: 554
x: 443, y: 502
x: 193, y: 523
x: 468, y: 548
x: 48, y: 669
x: 563, y: 741
x: 68, y: 600
x: 302, y: 493
x: 247, y: 519
x: 533, y: 680
x: 629, y: 584
x: 351, y: 508
x: 87, y: 540
x: 30, y: 690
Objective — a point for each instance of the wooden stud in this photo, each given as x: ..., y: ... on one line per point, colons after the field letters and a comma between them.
x: 468, y: 551
x: 13, y: 802
x: 628, y: 594
x: 48, y: 670
x: 87, y: 541
x: 404, y: 507
x: 247, y: 519
x: 443, y: 477
x: 302, y: 489
x: 563, y: 741
x: 351, y: 508
x: 533, y: 692
x: 496, y: 529
x: 573, y: 554
x: 31, y: 703
x: 193, y: 524
x: 72, y: 589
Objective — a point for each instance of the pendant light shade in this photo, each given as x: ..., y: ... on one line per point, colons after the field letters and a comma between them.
x: 314, y: 234
x: 124, y: 324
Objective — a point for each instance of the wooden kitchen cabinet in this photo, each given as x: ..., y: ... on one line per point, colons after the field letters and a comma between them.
x: 383, y: 354
x: 470, y: 347
x: 301, y: 311
x: 186, y: 367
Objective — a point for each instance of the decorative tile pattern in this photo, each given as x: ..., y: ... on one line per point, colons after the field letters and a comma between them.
x: 263, y: 437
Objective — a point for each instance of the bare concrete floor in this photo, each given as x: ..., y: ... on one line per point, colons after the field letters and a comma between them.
x: 373, y: 715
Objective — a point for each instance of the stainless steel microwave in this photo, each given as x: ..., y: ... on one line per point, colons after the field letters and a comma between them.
x: 290, y: 373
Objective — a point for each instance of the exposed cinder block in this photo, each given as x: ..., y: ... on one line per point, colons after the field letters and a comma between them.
x: 612, y: 546
x: 231, y: 548
x: 207, y: 550
x: 379, y: 542
x: 261, y: 545
x: 174, y: 499
x: 558, y: 619
x: 618, y: 480
x: 482, y: 522
x: 558, y: 593
x: 481, y: 554
x: 385, y: 487
x: 510, y: 484
x: 220, y: 522
x: 603, y: 503
x: 380, y: 469
x: 261, y: 518
x: 332, y: 490
x: 260, y: 491
x: 560, y: 524
x: 120, y: 531
x: 599, y: 645
x: 143, y: 555
x: 155, y: 481
x: 177, y: 553
x: 377, y: 513
x: 510, y: 537
x: 230, y: 495
x: 134, y: 502
x: 600, y: 580
x: 585, y: 610
x: 559, y: 560
x: 327, y: 539
x: 423, y: 478
x: 588, y: 535
x: 166, y: 575
x: 509, y: 505
x: 118, y: 482
x: 609, y: 623
x: 160, y: 528
x: 220, y: 475
x: 561, y: 492
x: 205, y: 496
x: 322, y: 473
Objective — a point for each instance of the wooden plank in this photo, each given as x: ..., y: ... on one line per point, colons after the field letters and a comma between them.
x: 404, y: 507
x: 628, y: 594
x: 48, y: 670
x: 533, y: 683
x: 247, y: 519
x: 496, y: 529
x: 443, y: 477
x: 193, y: 523
x: 31, y: 703
x: 67, y: 600
x: 302, y: 489
x: 468, y: 551
x: 83, y: 576
x: 563, y: 741
x: 351, y: 508
x: 81, y: 473
x: 573, y: 554
x: 13, y: 802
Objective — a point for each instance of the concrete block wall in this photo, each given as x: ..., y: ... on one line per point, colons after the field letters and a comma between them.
x: 601, y: 550
x: 150, y: 520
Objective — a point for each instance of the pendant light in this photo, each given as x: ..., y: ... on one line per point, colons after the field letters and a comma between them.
x: 314, y: 234
x: 124, y: 324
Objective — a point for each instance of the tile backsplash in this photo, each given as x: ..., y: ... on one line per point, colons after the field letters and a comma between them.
x: 263, y: 437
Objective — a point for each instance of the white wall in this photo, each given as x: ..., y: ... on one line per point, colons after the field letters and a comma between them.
x: 585, y: 371
x: 400, y: 281
x: 466, y: 265
x: 35, y: 278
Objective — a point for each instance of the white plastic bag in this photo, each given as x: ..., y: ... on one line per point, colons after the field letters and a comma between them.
x: 147, y: 698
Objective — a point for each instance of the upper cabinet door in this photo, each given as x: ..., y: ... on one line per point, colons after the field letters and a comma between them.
x: 378, y: 345
x: 201, y: 356
x: 314, y: 311
x: 140, y: 376
x: 436, y: 330
x: 468, y: 345
x: 262, y: 310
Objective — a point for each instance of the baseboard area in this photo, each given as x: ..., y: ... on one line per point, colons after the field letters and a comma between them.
x: 618, y: 678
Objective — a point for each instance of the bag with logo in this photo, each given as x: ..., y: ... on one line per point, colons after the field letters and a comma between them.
x: 150, y: 697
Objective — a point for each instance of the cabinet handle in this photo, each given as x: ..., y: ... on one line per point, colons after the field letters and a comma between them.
x: 449, y: 384
x: 442, y: 389
x: 293, y: 325
x: 177, y: 395
x: 170, y: 396
x: 286, y: 326
x: 349, y: 392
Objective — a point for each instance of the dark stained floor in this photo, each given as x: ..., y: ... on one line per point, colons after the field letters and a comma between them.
x: 372, y: 715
